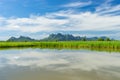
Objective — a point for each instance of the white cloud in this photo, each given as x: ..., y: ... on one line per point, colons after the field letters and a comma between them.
x: 77, y: 4
x: 71, y: 22
x: 32, y: 24
x: 106, y: 8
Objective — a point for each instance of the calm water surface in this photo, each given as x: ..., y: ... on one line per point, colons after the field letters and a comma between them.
x: 46, y: 64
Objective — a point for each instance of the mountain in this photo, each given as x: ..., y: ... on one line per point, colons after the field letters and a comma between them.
x: 59, y: 37
x: 21, y: 39
x: 68, y: 37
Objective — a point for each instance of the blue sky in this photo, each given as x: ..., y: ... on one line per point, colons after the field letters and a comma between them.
x: 39, y: 18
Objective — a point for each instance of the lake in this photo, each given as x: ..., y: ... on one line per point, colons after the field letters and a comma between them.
x: 53, y: 64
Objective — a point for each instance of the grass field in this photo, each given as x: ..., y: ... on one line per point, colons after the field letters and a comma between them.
x: 93, y: 45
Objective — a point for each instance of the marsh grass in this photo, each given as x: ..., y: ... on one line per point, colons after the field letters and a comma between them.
x: 93, y: 45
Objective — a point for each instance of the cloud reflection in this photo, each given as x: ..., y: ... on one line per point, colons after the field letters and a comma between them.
x: 60, y: 59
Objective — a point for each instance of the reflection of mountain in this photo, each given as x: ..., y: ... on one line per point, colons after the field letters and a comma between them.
x: 58, y: 37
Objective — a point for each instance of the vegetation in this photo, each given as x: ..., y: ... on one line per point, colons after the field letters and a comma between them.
x: 100, y: 39
x: 94, y: 45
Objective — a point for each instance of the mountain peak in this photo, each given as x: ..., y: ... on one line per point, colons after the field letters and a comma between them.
x: 21, y: 38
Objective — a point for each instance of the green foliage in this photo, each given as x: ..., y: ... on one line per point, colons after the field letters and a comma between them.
x: 84, y: 39
x: 108, y: 39
x: 100, y: 39
x: 106, y: 45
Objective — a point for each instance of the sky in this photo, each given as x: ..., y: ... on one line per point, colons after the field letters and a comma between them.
x: 39, y: 18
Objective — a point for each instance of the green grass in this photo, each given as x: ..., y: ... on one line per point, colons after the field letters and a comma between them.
x: 93, y: 45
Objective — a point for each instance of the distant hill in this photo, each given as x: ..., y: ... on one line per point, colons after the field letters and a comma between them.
x: 60, y: 37
x: 68, y: 37
x: 21, y: 39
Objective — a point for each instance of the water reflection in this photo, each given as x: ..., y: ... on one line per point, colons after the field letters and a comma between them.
x: 29, y: 64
